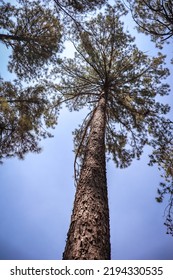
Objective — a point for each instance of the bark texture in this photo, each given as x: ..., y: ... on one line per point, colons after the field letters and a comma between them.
x: 89, y: 233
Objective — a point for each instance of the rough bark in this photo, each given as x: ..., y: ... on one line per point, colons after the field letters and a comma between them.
x: 89, y: 235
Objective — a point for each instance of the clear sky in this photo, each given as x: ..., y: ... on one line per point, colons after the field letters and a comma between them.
x: 36, y: 197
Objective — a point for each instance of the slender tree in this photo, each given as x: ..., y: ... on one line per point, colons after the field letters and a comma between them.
x: 118, y: 83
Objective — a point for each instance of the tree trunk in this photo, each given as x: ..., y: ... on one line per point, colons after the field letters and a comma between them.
x: 89, y: 235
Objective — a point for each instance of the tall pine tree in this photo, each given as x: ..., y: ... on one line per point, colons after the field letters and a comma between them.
x: 118, y: 84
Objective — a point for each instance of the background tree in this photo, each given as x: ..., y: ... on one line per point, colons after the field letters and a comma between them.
x: 154, y: 18
x: 163, y: 157
x: 118, y: 83
x: 25, y: 114
x: 33, y: 33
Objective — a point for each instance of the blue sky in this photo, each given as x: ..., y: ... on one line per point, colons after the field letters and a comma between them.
x: 36, y: 197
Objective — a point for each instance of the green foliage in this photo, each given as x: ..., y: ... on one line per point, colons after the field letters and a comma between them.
x: 107, y: 61
x: 79, y: 6
x: 24, y: 115
x: 33, y: 32
x: 154, y: 17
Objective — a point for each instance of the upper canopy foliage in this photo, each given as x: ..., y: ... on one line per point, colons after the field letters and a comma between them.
x: 108, y: 61
x: 79, y: 6
x: 154, y: 17
x: 33, y: 32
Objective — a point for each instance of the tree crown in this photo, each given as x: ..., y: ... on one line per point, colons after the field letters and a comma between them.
x: 108, y: 61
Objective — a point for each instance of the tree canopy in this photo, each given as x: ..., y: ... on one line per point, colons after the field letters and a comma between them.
x: 33, y: 33
x: 79, y: 6
x: 154, y: 17
x: 25, y: 113
x: 107, y: 60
